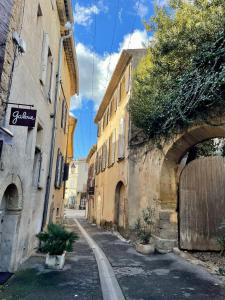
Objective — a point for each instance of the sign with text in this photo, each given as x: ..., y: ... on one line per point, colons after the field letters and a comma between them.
x: 22, y: 117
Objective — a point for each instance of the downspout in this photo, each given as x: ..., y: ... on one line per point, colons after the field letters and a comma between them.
x: 53, y: 135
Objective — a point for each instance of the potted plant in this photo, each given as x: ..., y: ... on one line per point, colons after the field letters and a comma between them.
x: 55, y: 242
x: 143, y: 230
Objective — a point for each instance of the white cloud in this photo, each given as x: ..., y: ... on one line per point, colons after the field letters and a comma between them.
x: 83, y: 15
x: 103, y: 68
x: 162, y: 2
x: 141, y: 8
x: 76, y: 102
x: 120, y: 15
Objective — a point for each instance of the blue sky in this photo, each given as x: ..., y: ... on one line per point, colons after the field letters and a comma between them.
x: 103, y: 28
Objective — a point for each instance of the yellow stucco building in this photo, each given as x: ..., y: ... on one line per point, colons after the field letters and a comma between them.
x: 111, y: 167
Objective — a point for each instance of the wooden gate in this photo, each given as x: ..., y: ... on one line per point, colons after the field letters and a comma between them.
x: 202, y: 203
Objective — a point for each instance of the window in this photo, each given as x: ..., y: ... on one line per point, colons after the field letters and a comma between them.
x: 50, y: 77
x: 96, y: 163
x: 107, y: 116
x: 111, y: 148
x: 40, y: 161
x: 128, y: 79
x: 117, y: 96
x: 29, y: 141
x: 114, y: 107
x: 47, y: 68
x: 110, y: 109
x: 104, y: 121
x: 66, y: 172
x: 100, y: 160
x: 73, y: 168
x: 53, y: 4
x: 44, y: 58
x: 99, y: 129
x: 37, y: 166
x: 122, y: 88
x: 104, y: 157
x: 64, y: 116
x: 121, y: 141
x: 59, y: 170
x: 39, y: 11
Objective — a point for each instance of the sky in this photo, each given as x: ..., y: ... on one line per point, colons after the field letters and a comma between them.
x: 103, y: 28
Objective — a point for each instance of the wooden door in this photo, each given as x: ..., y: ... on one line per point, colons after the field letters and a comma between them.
x: 202, y: 203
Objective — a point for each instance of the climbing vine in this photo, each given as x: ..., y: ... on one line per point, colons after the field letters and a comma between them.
x: 181, y: 81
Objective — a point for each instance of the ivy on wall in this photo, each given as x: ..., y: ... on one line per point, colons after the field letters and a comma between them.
x: 181, y: 81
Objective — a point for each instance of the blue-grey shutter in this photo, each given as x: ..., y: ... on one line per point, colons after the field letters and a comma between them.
x: 121, y: 142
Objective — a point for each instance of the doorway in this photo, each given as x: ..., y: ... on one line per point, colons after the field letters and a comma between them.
x: 120, y: 206
x: 9, y: 220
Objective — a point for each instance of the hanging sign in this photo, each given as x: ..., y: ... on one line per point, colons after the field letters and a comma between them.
x: 22, y: 117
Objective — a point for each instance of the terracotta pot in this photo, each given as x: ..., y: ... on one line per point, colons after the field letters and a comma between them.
x: 145, y: 249
x: 55, y: 261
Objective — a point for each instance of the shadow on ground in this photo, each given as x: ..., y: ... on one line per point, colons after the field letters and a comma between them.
x: 78, y: 280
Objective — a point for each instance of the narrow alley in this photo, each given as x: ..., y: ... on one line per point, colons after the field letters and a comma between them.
x: 157, y: 276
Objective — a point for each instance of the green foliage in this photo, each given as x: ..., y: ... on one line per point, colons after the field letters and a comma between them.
x: 181, y: 81
x: 143, y: 225
x: 56, y: 240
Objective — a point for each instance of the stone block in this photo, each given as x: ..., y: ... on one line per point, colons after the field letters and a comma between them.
x: 165, y: 244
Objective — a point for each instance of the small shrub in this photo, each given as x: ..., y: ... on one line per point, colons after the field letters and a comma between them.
x: 144, y: 224
x: 56, y: 240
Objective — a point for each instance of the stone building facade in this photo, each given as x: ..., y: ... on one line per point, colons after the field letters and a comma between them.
x: 76, y: 186
x: 112, y: 154
x: 38, y: 80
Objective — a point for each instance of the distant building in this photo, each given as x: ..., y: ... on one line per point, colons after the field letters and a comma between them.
x: 76, y: 186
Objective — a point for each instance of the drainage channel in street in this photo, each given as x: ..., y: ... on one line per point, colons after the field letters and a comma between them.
x: 109, y: 284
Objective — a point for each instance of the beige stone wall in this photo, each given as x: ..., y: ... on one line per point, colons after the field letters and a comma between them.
x: 11, y: 14
x: 154, y: 180
x: 18, y: 160
x: 57, y: 195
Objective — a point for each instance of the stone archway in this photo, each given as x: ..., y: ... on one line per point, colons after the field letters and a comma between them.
x: 10, y: 212
x: 120, y: 206
x: 168, y: 234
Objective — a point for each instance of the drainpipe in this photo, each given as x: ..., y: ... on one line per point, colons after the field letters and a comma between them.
x: 53, y: 135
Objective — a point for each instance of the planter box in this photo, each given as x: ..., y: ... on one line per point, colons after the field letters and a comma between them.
x: 55, y: 261
x: 145, y: 249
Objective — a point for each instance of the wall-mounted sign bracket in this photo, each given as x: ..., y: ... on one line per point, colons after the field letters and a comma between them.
x: 18, y: 104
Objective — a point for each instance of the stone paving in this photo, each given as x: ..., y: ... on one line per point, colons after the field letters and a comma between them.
x: 140, y: 277
x: 78, y: 280
x: 156, y: 276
